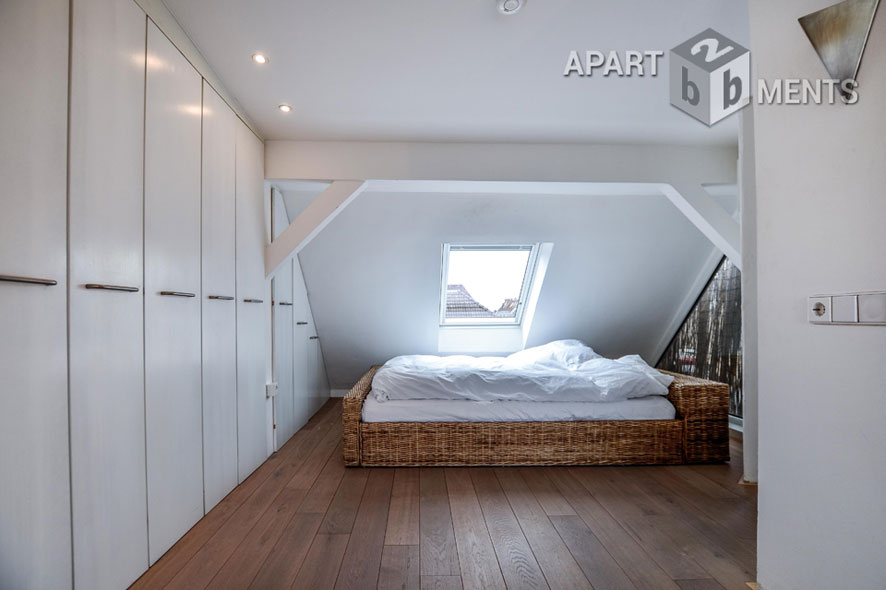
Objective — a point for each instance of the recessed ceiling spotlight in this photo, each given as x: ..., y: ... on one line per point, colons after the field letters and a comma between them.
x: 509, y: 6
x: 260, y: 58
x: 284, y: 107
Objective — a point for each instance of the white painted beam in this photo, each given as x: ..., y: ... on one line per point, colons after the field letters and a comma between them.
x: 690, y: 198
x: 311, y: 222
x: 510, y: 187
x: 345, y: 160
x: 708, y: 216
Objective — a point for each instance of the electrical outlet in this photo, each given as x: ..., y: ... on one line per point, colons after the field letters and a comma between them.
x: 819, y: 310
x: 867, y: 308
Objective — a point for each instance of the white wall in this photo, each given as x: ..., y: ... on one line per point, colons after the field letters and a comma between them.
x: 821, y: 206
x: 750, y: 354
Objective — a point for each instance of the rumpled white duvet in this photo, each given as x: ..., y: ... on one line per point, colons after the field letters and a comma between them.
x: 560, y: 371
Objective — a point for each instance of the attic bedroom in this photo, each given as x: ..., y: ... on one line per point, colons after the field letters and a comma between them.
x: 473, y: 295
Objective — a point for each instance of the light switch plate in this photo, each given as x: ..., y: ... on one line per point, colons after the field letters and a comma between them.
x: 819, y: 310
x: 872, y: 308
x: 844, y: 309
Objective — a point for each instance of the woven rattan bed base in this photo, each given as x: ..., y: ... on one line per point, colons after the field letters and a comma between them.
x: 699, y: 435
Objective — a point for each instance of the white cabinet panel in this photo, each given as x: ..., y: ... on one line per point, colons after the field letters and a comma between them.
x: 318, y: 384
x: 35, y: 518
x: 321, y: 381
x: 308, y: 357
x: 253, y: 303
x: 301, y: 349
x: 106, y: 352
x: 218, y: 303
x: 284, y: 410
x: 172, y: 322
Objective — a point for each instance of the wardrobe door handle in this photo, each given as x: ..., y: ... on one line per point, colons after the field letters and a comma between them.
x: 221, y: 297
x: 284, y: 303
x: 28, y: 280
x: 112, y: 288
x: 301, y: 323
x: 253, y: 301
x: 313, y: 337
x: 177, y: 294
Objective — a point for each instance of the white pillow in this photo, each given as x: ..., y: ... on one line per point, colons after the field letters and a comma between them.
x: 625, y: 378
x: 636, y: 361
x: 561, y: 353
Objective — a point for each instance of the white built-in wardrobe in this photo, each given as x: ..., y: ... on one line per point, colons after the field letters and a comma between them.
x: 298, y: 366
x: 135, y: 316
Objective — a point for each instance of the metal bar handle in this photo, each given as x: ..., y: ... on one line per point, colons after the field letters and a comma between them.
x: 313, y: 337
x: 177, y: 294
x: 112, y: 288
x: 28, y: 280
x: 301, y: 323
x: 284, y: 303
x: 253, y: 301
x: 221, y: 297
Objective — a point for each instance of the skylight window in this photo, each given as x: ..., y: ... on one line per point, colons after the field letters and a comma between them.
x: 485, y: 285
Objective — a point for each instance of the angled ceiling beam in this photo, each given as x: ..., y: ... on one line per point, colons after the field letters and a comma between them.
x: 708, y: 216
x: 311, y: 222
x: 690, y: 198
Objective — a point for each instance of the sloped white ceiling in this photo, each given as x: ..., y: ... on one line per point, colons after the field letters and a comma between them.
x: 619, y: 274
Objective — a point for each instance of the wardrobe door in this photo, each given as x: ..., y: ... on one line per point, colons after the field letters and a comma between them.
x: 218, y: 303
x: 302, y: 345
x: 106, y: 352
x: 172, y: 294
x: 318, y: 386
x: 253, y: 303
x: 35, y: 518
x: 315, y: 368
x: 284, y: 411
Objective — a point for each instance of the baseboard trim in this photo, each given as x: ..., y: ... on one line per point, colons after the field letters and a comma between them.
x: 736, y: 423
x: 338, y: 392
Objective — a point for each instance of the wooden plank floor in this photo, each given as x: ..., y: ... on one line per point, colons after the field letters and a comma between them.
x: 303, y: 520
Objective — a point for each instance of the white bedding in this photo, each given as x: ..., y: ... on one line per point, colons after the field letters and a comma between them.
x: 561, y: 371
x: 653, y: 407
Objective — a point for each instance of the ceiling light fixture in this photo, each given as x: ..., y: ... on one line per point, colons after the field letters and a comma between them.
x: 509, y: 6
x: 260, y: 58
x: 284, y: 107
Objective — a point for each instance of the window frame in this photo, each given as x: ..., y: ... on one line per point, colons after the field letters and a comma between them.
x: 528, y: 279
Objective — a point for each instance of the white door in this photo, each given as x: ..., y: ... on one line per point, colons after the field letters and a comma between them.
x: 106, y: 352
x: 218, y: 302
x: 253, y: 303
x: 172, y: 294
x: 318, y: 384
x: 302, y: 344
x: 35, y: 518
x: 284, y: 402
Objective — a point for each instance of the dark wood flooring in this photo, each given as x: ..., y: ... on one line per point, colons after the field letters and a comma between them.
x: 303, y: 520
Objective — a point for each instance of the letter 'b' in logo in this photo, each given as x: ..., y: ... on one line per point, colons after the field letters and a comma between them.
x: 710, y: 76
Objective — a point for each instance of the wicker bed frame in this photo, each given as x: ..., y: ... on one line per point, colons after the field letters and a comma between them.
x: 698, y: 434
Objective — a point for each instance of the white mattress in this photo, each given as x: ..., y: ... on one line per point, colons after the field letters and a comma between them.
x: 653, y: 407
